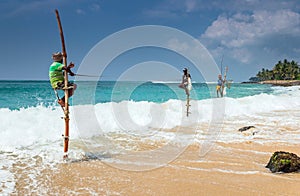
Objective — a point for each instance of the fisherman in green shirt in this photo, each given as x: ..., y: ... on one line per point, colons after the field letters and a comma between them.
x: 56, y: 76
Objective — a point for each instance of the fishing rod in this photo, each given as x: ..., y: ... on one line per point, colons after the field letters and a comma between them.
x: 222, y: 65
x: 84, y: 75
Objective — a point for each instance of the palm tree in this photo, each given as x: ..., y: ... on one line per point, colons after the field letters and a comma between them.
x: 281, y: 71
x: 258, y: 75
x: 278, y: 70
x: 294, y: 70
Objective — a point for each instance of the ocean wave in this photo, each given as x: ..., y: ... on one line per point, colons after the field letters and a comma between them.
x: 290, y: 91
x: 45, y: 124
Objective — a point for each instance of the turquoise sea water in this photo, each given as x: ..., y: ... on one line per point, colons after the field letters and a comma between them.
x: 24, y: 94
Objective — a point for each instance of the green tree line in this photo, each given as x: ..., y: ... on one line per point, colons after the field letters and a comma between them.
x: 281, y: 71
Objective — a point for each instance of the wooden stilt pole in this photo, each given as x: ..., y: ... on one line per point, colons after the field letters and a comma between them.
x: 223, y: 84
x: 187, y: 105
x: 66, y: 110
x: 188, y: 94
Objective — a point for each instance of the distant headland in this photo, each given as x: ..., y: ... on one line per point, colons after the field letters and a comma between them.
x: 286, y: 73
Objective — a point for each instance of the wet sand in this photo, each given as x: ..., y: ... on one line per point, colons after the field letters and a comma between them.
x: 227, y: 169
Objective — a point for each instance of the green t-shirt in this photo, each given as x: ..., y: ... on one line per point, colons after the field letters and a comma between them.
x: 56, y: 74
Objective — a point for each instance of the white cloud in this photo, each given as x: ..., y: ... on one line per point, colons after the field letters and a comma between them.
x: 95, y: 7
x: 190, y: 5
x: 254, y: 38
x: 246, y: 36
x: 159, y: 13
x: 248, y: 5
x: 242, y: 54
x: 92, y: 7
x: 80, y: 11
x: 19, y: 7
x: 175, y: 45
x: 297, y: 50
x: 242, y: 29
x: 172, y: 8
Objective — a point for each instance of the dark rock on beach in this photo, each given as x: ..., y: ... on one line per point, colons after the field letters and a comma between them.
x: 246, y: 128
x: 284, y: 162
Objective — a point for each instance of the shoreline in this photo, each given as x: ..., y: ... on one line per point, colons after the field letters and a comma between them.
x: 276, y: 82
x: 281, y: 82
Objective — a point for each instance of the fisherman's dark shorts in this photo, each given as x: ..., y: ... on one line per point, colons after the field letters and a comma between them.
x: 61, y: 85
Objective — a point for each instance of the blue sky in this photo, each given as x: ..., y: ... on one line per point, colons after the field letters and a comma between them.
x: 249, y: 34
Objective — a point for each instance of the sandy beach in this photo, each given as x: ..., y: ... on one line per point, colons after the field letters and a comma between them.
x: 229, y: 169
x: 282, y: 82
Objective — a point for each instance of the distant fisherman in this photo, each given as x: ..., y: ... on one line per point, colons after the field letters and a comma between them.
x: 56, y: 76
x: 186, y: 82
x: 220, y: 85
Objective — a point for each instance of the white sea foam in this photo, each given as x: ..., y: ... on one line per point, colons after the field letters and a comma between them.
x: 44, y: 124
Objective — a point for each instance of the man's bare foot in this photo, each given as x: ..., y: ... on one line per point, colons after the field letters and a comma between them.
x: 61, y: 103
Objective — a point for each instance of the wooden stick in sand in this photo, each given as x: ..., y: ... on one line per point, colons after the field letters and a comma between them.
x: 66, y: 89
x: 223, y: 84
x: 187, y: 105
